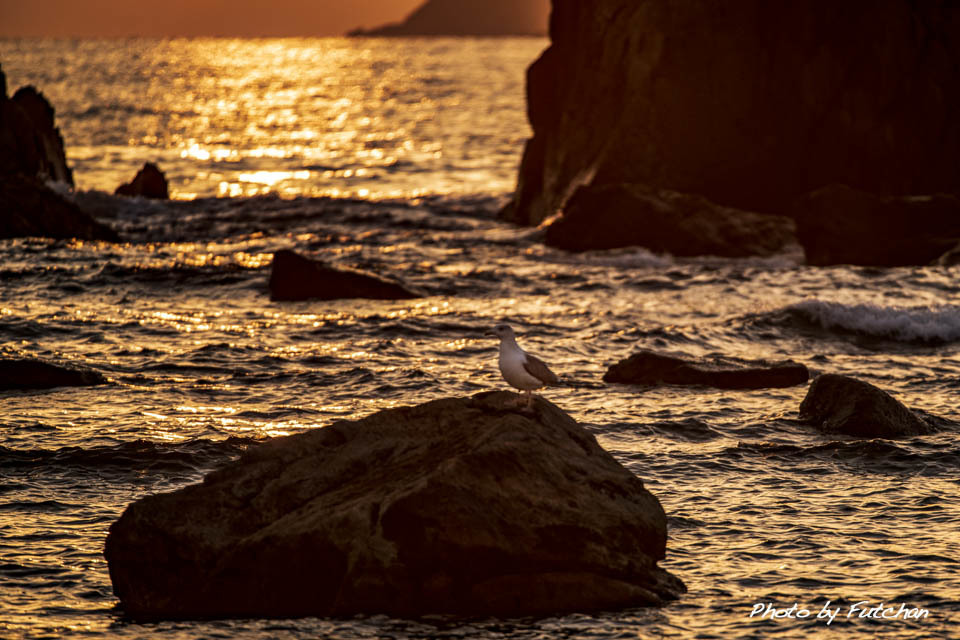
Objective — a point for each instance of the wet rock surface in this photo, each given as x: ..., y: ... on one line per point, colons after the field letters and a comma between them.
x: 295, y: 277
x: 651, y: 368
x: 841, y: 404
x: 26, y: 373
x: 841, y: 225
x: 624, y: 215
x: 461, y: 506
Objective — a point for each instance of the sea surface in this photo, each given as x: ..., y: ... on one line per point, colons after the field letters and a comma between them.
x: 393, y: 156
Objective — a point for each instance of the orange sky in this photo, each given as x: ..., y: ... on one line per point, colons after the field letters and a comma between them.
x: 113, y: 18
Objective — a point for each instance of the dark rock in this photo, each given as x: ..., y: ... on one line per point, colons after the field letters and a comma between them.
x: 30, y: 142
x: 31, y: 152
x: 841, y: 225
x: 294, y: 277
x: 25, y: 373
x: 148, y: 183
x: 750, y: 103
x: 626, y: 215
x: 460, y: 506
x: 28, y: 208
x: 840, y: 404
x: 470, y: 18
x: 650, y: 368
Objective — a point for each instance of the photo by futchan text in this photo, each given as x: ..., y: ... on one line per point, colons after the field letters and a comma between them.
x: 828, y: 612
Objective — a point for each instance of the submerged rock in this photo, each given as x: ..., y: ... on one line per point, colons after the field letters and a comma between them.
x: 26, y: 373
x: 625, y: 215
x: 650, y: 368
x: 469, y: 18
x: 842, y: 225
x: 294, y: 277
x: 460, y: 506
x: 750, y: 103
x: 148, y: 183
x: 840, y: 404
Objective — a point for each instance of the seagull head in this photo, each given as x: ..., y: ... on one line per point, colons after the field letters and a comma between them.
x: 501, y: 331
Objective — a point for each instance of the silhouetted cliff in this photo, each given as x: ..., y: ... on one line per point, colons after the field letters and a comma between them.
x: 470, y: 18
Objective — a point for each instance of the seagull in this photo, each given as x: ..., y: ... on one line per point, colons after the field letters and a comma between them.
x: 519, y: 368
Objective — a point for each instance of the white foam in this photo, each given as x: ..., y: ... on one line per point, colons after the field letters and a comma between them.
x: 940, y: 323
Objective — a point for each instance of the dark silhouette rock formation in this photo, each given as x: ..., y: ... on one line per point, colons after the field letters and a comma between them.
x: 148, y: 183
x: 840, y: 404
x: 26, y: 373
x: 841, y: 225
x: 470, y: 18
x: 461, y: 506
x: 651, y: 368
x: 31, y: 152
x: 623, y: 215
x: 294, y: 277
x: 750, y: 104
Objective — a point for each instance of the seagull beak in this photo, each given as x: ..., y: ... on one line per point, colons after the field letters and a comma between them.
x: 490, y: 334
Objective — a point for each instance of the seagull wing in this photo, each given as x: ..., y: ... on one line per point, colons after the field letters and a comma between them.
x: 539, y: 370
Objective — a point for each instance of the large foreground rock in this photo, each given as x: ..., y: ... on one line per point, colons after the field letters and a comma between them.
x: 750, y: 103
x: 294, y: 277
x: 841, y: 225
x: 626, y: 215
x: 840, y: 404
x: 470, y: 18
x: 27, y: 373
x: 460, y: 506
x: 651, y: 368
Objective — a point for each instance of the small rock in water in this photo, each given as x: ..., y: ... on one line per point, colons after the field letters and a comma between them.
x: 840, y: 404
x: 26, y: 373
x: 148, y: 183
x: 651, y: 368
x: 460, y: 506
x: 294, y: 277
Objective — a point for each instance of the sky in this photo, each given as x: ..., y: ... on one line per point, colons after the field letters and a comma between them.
x: 249, y: 18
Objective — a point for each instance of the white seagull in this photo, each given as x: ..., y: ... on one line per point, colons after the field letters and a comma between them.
x: 519, y: 368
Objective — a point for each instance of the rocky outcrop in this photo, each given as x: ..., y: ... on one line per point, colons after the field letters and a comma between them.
x: 751, y: 103
x: 28, y: 208
x: 840, y: 404
x: 651, y: 368
x: 294, y: 277
x: 148, y: 183
x: 31, y: 153
x: 470, y: 18
x: 625, y: 215
x: 841, y: 225
x: 461, y: 506
x: 27, y: 373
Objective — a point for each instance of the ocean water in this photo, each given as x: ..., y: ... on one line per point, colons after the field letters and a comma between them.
x: 258, y: 138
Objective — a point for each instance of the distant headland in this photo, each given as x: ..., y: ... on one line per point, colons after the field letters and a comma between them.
x: 469, y: 18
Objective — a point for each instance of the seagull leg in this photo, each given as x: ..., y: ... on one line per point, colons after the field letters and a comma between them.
x: 529, y: 398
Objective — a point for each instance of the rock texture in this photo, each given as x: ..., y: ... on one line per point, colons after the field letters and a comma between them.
x: 26, y: 373
x: 842, y: 225
x: 750, y: 103
x: 31, y: 153
x: 840, y: 404
x: 470, y: 18
x: 148, y: 183
x: 28, y: 208
x: 651, y: 368
x: 460, y: 506
x: 625, y: 215
x: 294, y: 277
